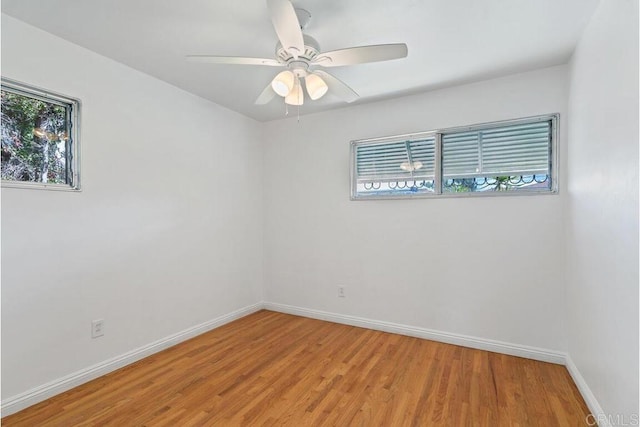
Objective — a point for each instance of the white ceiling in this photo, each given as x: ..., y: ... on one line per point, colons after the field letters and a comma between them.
x: 449, y: 41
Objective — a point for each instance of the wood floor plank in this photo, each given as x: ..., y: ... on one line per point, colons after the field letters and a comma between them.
x: 273, y: 369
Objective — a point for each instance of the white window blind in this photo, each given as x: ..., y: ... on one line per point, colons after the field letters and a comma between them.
x: 396, y: 161
x: 522, y: 149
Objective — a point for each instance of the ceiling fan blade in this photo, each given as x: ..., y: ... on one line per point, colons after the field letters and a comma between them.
x: 266, y: 96
x: 361, y: 55
x: 234, y: 60
x: 338, y: 87
x: 285, y: 22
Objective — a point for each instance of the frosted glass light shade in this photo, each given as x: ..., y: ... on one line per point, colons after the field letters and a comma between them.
x: 316, y: 87
x: 283, y: 83
x: 296, y: 96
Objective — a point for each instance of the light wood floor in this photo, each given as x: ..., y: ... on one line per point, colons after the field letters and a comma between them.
x: 275, y: 369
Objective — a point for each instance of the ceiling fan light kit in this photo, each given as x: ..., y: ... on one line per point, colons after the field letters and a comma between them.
x: 300, y: 54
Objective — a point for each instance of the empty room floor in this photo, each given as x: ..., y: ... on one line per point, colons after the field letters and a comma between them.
x: 276, y: 369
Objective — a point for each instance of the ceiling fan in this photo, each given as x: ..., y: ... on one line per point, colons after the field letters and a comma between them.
x: 301, y: 55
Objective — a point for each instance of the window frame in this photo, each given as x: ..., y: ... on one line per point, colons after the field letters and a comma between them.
x: 554, y: 118
x: 394, y: 139
x: 45, y: 95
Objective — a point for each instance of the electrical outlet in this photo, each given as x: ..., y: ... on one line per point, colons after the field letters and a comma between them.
x: 341, y: 293
x: 97, y: 328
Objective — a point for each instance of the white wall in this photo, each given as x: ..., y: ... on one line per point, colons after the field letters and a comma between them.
x: 167, y: 230
x: 602, y: 207
x: 485, y: 267
x: 159, y: 241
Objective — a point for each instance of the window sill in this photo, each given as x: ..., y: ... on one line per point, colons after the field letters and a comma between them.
x: 457, y: 195
x: 40, y: 186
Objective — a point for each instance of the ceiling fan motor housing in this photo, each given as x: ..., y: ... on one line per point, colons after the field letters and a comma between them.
x: 311, y: 50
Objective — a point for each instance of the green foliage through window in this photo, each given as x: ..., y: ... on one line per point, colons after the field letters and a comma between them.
x: 36, y: 138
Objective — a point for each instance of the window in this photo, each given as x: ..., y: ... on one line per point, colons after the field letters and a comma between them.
x: 511, y: 157
x: 39, y: 138
x: 396, y: 167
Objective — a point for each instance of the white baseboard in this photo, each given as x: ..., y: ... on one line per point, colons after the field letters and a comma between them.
x: 45, y: 391
x: 587, y: 394
x: 429, y: 334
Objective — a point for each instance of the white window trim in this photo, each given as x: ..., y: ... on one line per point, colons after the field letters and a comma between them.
x: 49, y: 96
x: 554, y: 169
